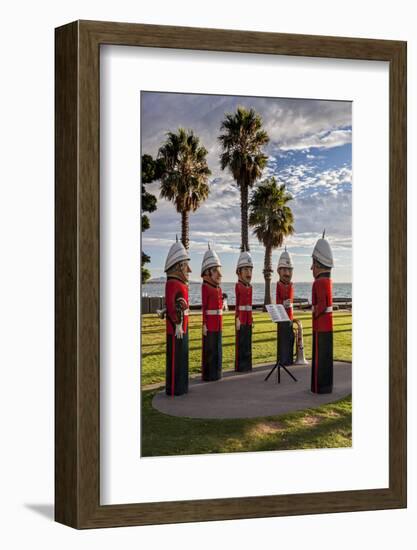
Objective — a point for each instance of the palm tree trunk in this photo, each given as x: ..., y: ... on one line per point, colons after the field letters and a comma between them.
x: 268, y: 274
x: 244, y: 216
x: 185, y: 228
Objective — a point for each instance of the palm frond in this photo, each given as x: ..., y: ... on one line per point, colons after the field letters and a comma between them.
x: 185, y: 178
x: 269, y: 216
x: 241, y: 140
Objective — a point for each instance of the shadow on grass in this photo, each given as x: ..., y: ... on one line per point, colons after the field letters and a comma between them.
x: 328, y: 433
x: 231, y: 336
x: 164, y: 435
x: 226, y: 344
x: 228, y: 321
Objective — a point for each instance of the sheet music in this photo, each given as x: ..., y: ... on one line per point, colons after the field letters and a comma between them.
x: 277, y: 313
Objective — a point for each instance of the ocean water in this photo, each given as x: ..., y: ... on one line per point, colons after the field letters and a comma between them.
x: 302, y: 290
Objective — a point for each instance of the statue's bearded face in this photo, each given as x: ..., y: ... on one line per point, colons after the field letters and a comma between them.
x: 285, y: 274
x: 245, y: 274
x: 213, y: 275
x: 216, y: 275
x: 183, y: 270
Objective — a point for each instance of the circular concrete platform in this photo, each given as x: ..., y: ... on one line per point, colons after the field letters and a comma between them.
x: 246, y: 395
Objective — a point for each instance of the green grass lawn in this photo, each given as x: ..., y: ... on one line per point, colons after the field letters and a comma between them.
x: 324, y: 427
x: 327, y: 426
x: 264, y: 342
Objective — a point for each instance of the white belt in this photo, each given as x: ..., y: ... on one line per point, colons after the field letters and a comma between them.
x: 245, y: 308
x: 327, y: 310
x: 214, y: 312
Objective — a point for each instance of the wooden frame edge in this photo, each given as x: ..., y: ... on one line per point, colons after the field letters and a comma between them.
x: 77, y: 274
x: 398, y: 286
x: 241, y: 508
x: 66, y: 274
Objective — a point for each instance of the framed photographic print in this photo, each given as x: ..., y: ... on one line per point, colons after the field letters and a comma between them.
x: 230, y: 274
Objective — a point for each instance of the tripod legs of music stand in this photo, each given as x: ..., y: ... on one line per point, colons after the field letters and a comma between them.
x: 279, y: 367
x: 270, y: 372
x: 287, y: 371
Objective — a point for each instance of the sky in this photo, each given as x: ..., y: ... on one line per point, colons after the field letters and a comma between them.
x: 310, y: 150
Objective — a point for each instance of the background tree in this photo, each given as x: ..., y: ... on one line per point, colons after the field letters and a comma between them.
x: 151, y: 171
x: 272, y: 220
x: 184, y: 180
x: 241, y: 141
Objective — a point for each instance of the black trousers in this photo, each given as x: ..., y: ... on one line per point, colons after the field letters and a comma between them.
x: 285, y: 343
x: 322, y: 363
x: 176, y: 375
x: 212, y: 356
x: 243, y: 360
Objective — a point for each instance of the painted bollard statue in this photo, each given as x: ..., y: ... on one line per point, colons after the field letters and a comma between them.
x: 285, y: 296
x: 176, y: 303
x: 243, y: 313
x: 212, y: 313
x: 322, y: 307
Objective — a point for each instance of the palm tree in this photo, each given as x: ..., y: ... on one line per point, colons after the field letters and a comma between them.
x: 272, y: 220
x: 241, y: 142
x: 184, y: 180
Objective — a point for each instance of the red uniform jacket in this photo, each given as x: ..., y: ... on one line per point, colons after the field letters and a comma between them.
x: 285, y: 292
x: 322, y: 301
x: 243, y: 303
x: 176, y: 297
x: 212, y: 301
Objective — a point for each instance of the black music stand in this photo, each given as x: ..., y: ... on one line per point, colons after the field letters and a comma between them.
x: 285, y: 351
x: 278, y: 366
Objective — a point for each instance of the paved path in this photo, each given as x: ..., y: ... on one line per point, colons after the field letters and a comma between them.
x: 247, y: 395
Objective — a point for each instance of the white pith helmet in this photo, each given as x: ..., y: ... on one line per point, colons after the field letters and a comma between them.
x: 210, y: 259
x: 245, y: 260
x: 322, y: 252
x: 285, y: 260
x: 177, y: 253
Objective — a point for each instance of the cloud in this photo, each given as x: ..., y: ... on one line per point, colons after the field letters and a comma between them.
x: 317, y: 211
x: 197, y: 246
x: 308, y: 240
x: 304, y: 134
x: 292, y: 124
x: 322, y: 140
x: 309, y: 180
x: 321, y: 199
